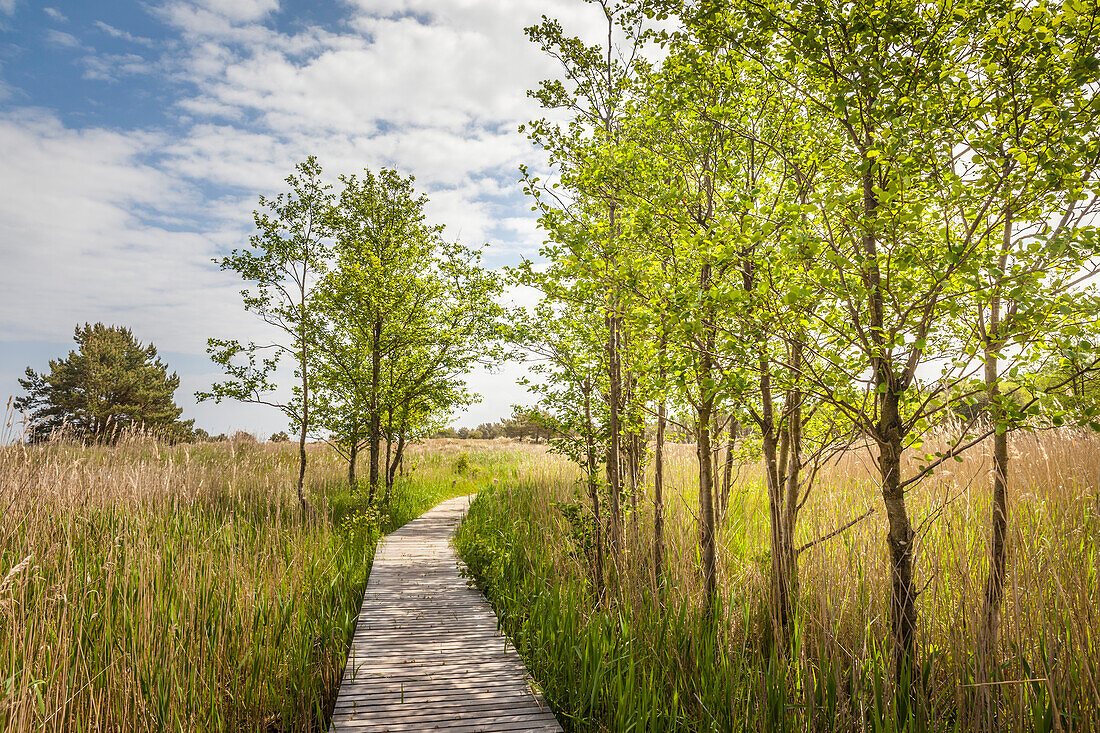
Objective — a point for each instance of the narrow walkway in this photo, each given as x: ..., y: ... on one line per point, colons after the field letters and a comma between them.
x: 426, y: 653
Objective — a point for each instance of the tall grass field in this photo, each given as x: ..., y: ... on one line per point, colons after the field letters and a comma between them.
x: 146, y: 587
x: 644, y: 657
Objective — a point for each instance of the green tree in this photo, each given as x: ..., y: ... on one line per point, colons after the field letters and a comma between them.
x: 109, y: 384
x: 1026, y: 183
x: 287, y: 256
x: 597, y: 80
x: 382, y: 240
x: 405, y: 316
x: 921, y: 159
x: 563, y: 337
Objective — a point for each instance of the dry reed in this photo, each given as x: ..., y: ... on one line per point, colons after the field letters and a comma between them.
x: 1049, y: 661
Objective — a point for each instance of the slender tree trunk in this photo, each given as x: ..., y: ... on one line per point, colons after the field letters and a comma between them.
x: 352, y: 455
x: 780, y: 580
x: 629, y: 464
x: 306, y: 508
x: 716, y: 466
x: 727, y: 472
x: 706, y: 509
x: 659, y: 470
x: 593, y: 482
x: 994, y: 589
x: 658, y: 494
x: 375, y: 413
x: 634, y: 447
x: 704, y: 448
x: 889, y: 434
x: 794, y: 467
x: 387, y: 456
x: 302, y: 467
x: 398, y: 457
x: 614, y: 366
x: 899, y: 540
x: 614, y: 480
x: 387, y: 462
x: 392, y: 460
x: 402, y: 441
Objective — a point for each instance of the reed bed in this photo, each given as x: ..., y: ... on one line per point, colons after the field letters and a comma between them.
x: 146, y: 587
x: 645, y: 658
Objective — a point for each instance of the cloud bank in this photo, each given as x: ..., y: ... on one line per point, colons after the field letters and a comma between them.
x: 119, y: 220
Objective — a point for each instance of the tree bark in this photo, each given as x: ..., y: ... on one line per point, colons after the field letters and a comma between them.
x: 632, y: 465
x: 780, y: 581
x: 302, y: 500
x: 614, y: 453
x: 705, y: 412
x: 716, y: 467
x: 398, y: 457
x: 889, y: 435
x: 375, y: 412
x: 794, y: 467
x: 352, y: 455
x: 899, y: 540
x: 727, y: 472
x: 706, y: 509
x: 659, y: 470
x: 994, y: 589
x: 593, y: 482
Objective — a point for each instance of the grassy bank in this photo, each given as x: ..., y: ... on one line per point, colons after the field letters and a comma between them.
x: 146, y: 587
x: 645, y: 658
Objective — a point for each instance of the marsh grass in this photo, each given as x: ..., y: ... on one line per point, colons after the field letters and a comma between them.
x: 645, y: 659
x: 146, y: 587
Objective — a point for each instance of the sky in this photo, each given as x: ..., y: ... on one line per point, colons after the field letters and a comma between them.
x: 137, y: 136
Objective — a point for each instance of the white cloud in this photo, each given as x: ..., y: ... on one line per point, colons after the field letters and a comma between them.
x: 55, y: 14
x: 113, y: 66
x: 77, y: 246
x: 121, y: 34
x: 470, y: 65
x: 240, y: 10
x: 120, y: 225
x: 440, y: 99
x: 61, y: 39
x: 7, y: 7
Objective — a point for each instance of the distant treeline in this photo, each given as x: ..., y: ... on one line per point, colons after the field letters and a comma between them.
x: 524, y: 424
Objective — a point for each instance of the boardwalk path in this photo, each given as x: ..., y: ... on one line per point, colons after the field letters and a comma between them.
x: 426, y: 653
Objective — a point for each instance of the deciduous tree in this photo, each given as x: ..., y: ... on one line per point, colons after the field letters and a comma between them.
x: 285, y: 259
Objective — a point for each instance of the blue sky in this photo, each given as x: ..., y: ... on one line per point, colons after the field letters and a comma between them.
x: 136, y: 137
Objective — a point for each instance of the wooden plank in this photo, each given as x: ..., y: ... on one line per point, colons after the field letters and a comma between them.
x: 427, y: 653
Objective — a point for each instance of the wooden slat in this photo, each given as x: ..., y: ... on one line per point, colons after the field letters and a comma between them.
x: 426, y: 653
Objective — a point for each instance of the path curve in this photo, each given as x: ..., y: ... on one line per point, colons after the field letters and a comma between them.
x: 426, y: 653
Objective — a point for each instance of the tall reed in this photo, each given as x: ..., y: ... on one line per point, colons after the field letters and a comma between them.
x: 146, y: 587
x: 645, y: 658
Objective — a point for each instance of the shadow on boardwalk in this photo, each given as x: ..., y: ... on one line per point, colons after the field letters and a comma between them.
x: 426, y: 653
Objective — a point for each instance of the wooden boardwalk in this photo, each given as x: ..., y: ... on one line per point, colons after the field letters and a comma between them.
x: 427, y: 654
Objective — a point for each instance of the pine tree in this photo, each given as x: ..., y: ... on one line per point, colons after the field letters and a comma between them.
x: 109, y: 384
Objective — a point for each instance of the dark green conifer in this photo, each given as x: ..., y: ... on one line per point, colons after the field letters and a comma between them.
x: 109, y: 384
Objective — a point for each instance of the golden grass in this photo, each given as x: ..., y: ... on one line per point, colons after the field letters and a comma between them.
x: 148, y: 587
x: 145, y: 587
x: 1050, y: 618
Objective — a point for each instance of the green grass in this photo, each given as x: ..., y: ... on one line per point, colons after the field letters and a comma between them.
x: 597, y: 670
x: 645, y: 657
x: 150, y: 588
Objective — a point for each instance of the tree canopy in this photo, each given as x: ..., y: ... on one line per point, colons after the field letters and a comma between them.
x: 380, y: 315
x: 807, y: 227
